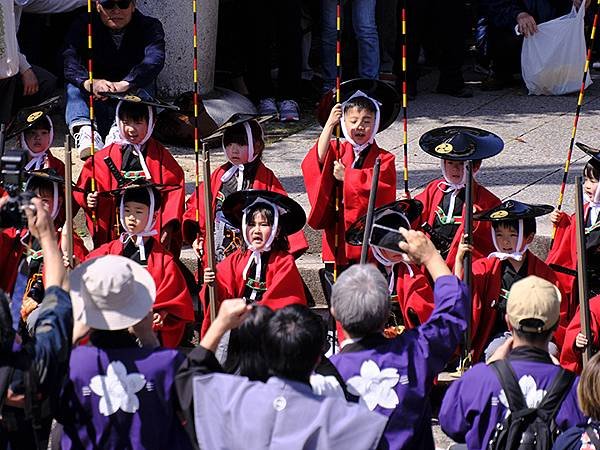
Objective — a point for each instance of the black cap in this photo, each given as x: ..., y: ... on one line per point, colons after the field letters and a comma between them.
x: 292, y: 217
x: 393, y: 215
x: 29, y: 116
x: 135, y: 99
x: 513, y: 210
x: 388, y: 97
x: 457, y: 143
x: 590, y: 151
x: 236, y: 119
x: 141, y: 183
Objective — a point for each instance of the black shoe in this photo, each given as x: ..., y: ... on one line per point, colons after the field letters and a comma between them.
x: 461, y: 92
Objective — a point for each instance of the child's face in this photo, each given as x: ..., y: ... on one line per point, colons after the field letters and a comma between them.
x: 589, y: 187
x: 37, y: 140
x: 359, y: 124
x: 47, y: 198
x: 237, y: 154
x: 133, y: 130
x: 507, y: 237
x: 454, y: 171
x: 136, y: 217
x: 393, y: 257
x: 258, y: 230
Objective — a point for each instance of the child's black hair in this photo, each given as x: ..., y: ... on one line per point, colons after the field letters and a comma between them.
x: 361, y: 103
x: 134, y: 111
x: 529, y: 225
x: 42, y: 186
x: 281, y: 241
x: 592, y: 169
x: 42, y: 124
x: 140, y: 195
x: 237, y: 135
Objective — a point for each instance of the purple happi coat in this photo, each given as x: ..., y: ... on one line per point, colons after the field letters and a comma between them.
x: 474, y: 404
x: 122, y: 399
x: 394, y: 376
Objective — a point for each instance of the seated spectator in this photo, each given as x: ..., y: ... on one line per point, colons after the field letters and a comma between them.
x: 394, y: 376
x: 476, y: 403
x: 585, y: 436
x: 505, y: 17
x: 119, y: 395
x: 129, y: 53
x: 284, y: 411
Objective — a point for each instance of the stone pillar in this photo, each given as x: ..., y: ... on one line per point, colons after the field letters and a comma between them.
x: 177, y: 20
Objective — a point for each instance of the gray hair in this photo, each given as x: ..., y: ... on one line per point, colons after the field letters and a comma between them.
x: 360, y: 300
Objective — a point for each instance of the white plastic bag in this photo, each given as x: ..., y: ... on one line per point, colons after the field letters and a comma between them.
x: 553, y: 59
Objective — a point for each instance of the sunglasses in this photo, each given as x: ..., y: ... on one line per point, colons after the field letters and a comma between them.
x: 112, y: 4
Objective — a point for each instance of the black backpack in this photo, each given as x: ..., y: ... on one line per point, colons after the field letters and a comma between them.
x: 528, y: 428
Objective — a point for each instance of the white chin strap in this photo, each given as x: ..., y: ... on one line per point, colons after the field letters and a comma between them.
x: 594, y: 205
x: 238, y: 170
x: 37, y: 159
x: 359, y: 148
x: 137, y: 148
x: 138, y: 238
x: 517, y: 255
x: 389, y: 266
x: 451, y: 187
x: 255, y: 256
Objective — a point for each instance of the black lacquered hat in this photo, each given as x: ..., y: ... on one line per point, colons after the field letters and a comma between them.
x: 457, y: 143
x: 513, y: 210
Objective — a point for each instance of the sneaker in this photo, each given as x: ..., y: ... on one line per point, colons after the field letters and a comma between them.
x: 113, y: 135
x: 83, y: 142
x: 267, y: 107
x: 288, y: 111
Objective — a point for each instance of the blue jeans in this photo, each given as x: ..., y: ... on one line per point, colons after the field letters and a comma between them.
x: 365, y: 29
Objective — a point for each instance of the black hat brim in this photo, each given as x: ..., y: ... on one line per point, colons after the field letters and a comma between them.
x: 234, y: 120
x: 513, y: 210
x: 411, y: 209
x: 388, y: 97
x: 291, y: 220
x: 51, y: 176
x: 590, y: 151
x: 141, y: 183
x: 132, y: 98
x: 458, y: 143
x: 29, y: 116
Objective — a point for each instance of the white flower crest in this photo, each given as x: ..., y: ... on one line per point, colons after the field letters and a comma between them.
x: 375, y: 386
x: 327, y: 386
x: 532, y: 394
x: 117, y: 389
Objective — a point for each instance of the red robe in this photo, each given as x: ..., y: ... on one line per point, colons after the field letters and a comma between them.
x: 172, y: 295
x: 414, y: 293
x: 163, y: 168
x: 564, y: 253
x: 264, y: 179
x: 321, y: 186
x: 11, y: 252
x: 283, y: 282
x: 571, y: 359
x: 52, y: 162
x: 487, y: 283
x: 483, y: 200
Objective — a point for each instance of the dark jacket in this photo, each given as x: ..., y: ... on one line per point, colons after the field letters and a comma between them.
x: 138, y: 60
x: 503, y: 13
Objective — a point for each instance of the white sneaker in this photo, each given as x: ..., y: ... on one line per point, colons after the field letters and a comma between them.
x: 267, y: 107
x: 113, y: 135
x: 288, y: 111
x: 83, y: 142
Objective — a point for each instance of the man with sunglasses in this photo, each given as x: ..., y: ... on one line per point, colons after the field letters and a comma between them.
x: 128, y: 55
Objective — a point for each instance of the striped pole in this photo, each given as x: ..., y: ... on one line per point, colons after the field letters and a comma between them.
x: 577, y: 111
x: 338, y: 82
x: 91, y: 103
x: 196, y: 132
x: 405, y: 102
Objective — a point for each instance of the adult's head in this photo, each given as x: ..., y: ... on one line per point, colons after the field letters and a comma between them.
x: 533, y: 311
x: 111, y: 293
x: 359, y: 300
x: 588, y: 389
x: 115, y: 14
x: 294, y: 341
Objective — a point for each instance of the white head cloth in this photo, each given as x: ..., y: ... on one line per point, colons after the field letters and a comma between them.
x: 594, y: 204
x: 452, y: 187
x: 517, y: 255
x: 359, y: 148
x: 37, y: 159
x: 238, y: 169
x: 54, y: 211
x: 138, y: 238
x: 137, y: 148
x: 255, y: 256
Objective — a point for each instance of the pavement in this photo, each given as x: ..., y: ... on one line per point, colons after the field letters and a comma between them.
x: 536, y: 132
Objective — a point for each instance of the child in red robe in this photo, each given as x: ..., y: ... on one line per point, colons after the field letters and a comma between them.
x: 575, y: 341
x: 513, y: 229
x: 563, y: 254
x: 135, y: 155
x: 139, y: 205
x: 263, y: 271
x: 347, y: 171
x: 243, y: 145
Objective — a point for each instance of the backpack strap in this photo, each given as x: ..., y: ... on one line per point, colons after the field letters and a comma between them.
x: 555, y: 395
x: 509, y: 383
x: 591, y: 433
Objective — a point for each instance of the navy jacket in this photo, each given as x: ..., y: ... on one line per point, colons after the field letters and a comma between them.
x: 138, y: 60
x: 503, y: 13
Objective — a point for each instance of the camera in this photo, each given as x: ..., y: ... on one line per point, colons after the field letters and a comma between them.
x: 12, y: 214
